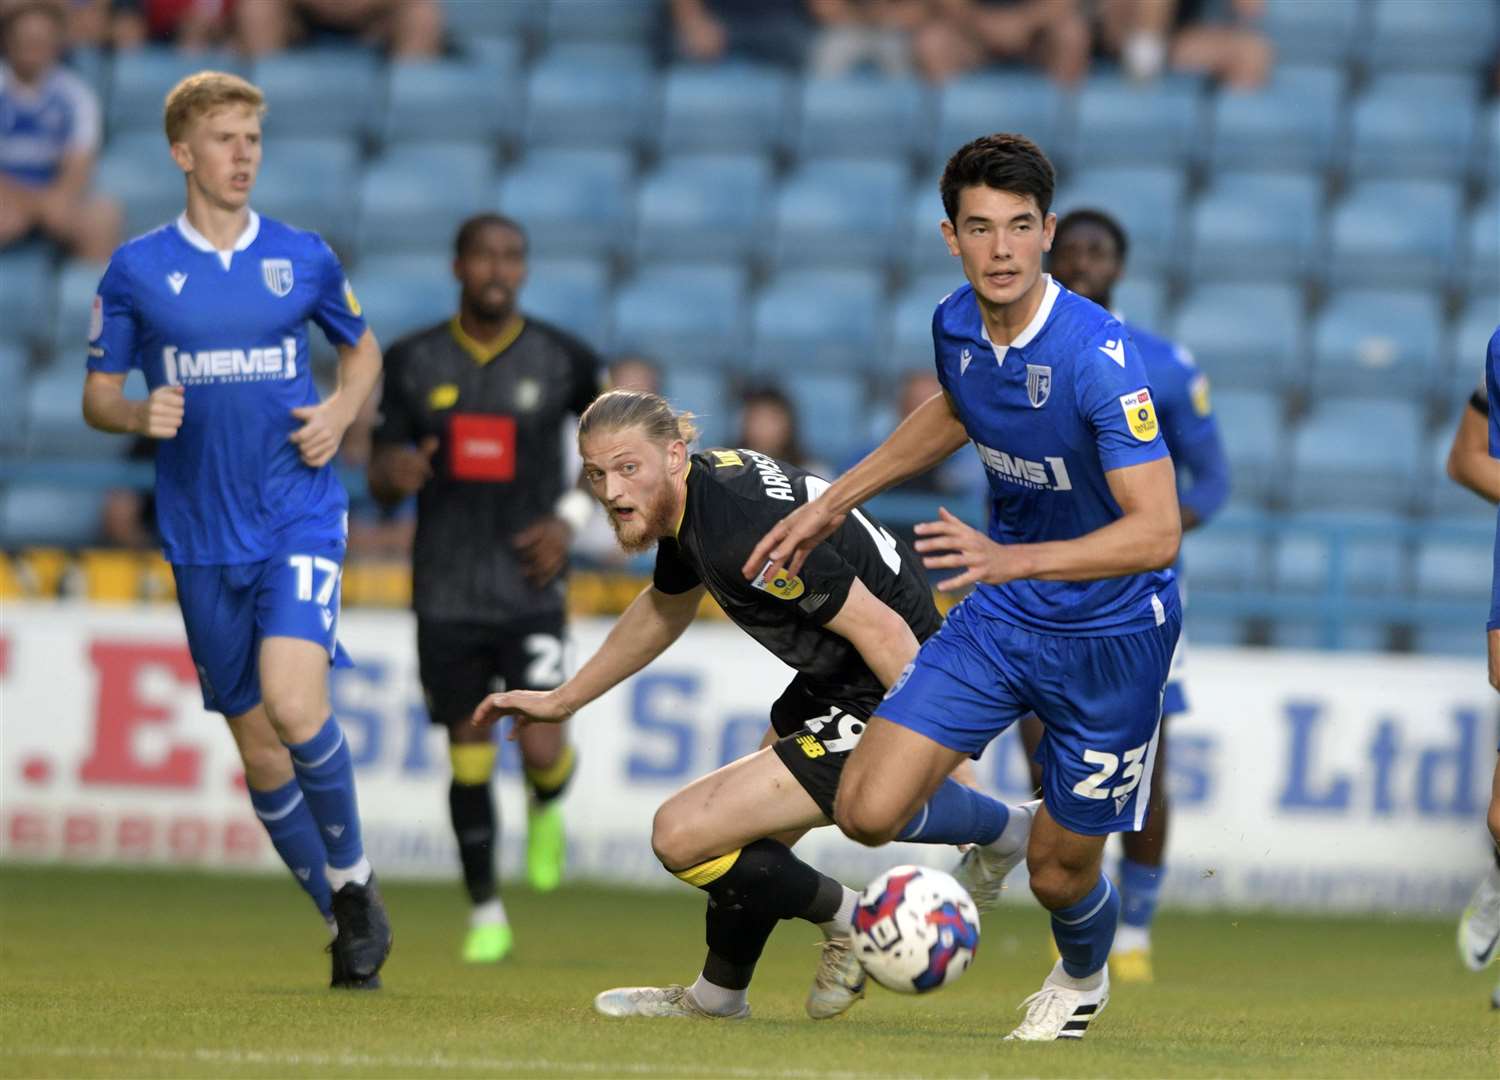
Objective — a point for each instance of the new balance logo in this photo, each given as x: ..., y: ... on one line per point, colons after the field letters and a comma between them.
x: 176, y: 279
x: 1115, y: 350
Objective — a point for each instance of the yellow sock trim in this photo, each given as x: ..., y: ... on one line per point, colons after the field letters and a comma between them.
x: 555, y: 775
x: 706, y: 873
x: 473, y: 763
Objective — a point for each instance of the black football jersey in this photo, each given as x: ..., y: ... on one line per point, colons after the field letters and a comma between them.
x: 734, y: 497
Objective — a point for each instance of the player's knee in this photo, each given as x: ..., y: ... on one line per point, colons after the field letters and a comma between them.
x: 1057, y: 886
x: 863, y: 823
x: 672, y: 839
x: 267, y: 766
x: 296, y: 713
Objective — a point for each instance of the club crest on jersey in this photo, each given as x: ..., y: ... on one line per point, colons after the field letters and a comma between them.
x: 1140, y: 414
x: 1038, y: 384
x: 774, y: 580
x: 277, y: 274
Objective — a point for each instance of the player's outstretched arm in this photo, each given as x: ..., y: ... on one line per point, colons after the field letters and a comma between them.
x: 324, y: 424
x: 649, y: 625
x: 883, y: 638
x: 105, y: 407
x: 926, y: 437
x: 1469, y: 461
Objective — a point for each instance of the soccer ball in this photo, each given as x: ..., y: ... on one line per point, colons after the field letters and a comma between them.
x: 915, y: 929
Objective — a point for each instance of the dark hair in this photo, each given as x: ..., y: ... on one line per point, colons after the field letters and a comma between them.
x: 1090, y: 216
x: 768, y: 394
x: 1002, y: 161
x: 620, y: 410
x: 16, y: 13
x: 469, y: 231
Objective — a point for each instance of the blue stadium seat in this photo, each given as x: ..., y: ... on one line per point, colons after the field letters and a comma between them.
x: 822, y: 320
x: 1256, y: 226
x: 1377, y: 341
x: 1126, y: 123
x: 1444, y: 638
x: 1422, y: 34
x: 1471, y: 336
x: 1370, y: 550
x: 465, y: 19
x: 402, y: 208
x: 1398, y: 233
x: 1148, y: 203
x: 839, y: 211
x: 54, y: 418
x: 25, y: 293
x: 683, y: 315
x: 590, y: 20
x: 571, y: 294
x: 701, y: 393
x: 77, y: 284
x: 48, y: 515
x: 137, y: 170
x: 1244, y: 335
x: 12, y: 397
x: 1414, y: 126
x: 924, y: 248
x: 1453, y: 569
x: 1291, y: 123
x: 1223, y: 559
x: 1482, y: 259
x: 725, y: 108
x: 141, y: 79
x: 404, y: 293
x: 1321, y: 30
x: 91, y: 64
x: 697, y: 205
x: 590, y: 96
x: 909, y: 344
x: 976, y: 105
x: 1354, y: 635
x: 319, y: 92
x: 1357, y: 455
x: 572, y: 202
x: 450, y: 99
x: 1486, y: 168
x: 1444, y: 498
x: 1142, y: 301
x: 832, y: 409
x: 1251, y: 423
x: 863, y: 116
x: 310, y: 183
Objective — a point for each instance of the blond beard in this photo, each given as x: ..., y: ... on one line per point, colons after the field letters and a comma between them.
x: 657, y: 518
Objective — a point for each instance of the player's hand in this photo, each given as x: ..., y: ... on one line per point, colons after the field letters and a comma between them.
x: 982, y: 558
x: 527, y: 706
x: 1494, y: 638
x: 317, y: 440
x: 162, y: 416
x: 792, y: 539
x: 407, y: 469
x: 543, y: 549
x: 702, y: 37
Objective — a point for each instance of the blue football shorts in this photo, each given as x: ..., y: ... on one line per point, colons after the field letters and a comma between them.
x: 230, y: 609
x: 1099, y: 700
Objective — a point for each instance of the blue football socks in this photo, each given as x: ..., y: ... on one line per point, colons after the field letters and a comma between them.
x: 1085, y: 931
x: 294, y: 835
x: 1140, y: 885
x: 957, y: 814
x: 325, y: 772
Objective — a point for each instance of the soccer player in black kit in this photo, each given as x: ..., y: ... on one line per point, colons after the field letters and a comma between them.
x: 472, y: 423
x: 848, y: 625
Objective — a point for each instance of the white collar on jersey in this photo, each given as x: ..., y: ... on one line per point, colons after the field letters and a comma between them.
x: 199, y: 241
x: 1033, y: 328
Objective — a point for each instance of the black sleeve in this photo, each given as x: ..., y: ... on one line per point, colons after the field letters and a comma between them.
x: 819, y: 590
x: 672, y: 574
x: 396, y: 422
x: 1480, y: 403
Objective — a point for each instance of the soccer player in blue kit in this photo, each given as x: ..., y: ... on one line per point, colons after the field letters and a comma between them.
x: 1088, y: 258
x: 1075, y: 614
x: 213, y: 309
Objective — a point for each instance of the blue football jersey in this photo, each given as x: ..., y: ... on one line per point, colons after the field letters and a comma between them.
x: 1050, y: 414
x: 231, y: 329
x: 1492, y: 388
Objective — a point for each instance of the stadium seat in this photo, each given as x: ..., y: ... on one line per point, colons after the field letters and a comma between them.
x: 137, y: 170
x: 574, y: 203
x: 1141, y: 301
x: 324, y: 92
x: 1445, y: 638
x: 590, y: 96
x: 697, y: 206
x: 1357, y: 455
x: 1471, y: 336
x: 1414, y: 126
x: 1255, y: 226
x: 831, y: 407
x: 446, y: 99
x: 827, y: 321
x: 909, y: 344
x: 141, y: 79
x: 1376, y: 341
x: 1126, y: 123
x: 1251, y: 423
x: 1220, y: 557
x: 725, y: 108
x: 1422, y: 34
x: 25, y: 294
x: 863, y: 116
x: 1486, y: 167
x: 572, y: 295
x: 1401, y: 234
x: 92, y: 65
x: 1291, y: 123
x: 54, y: 418
x: 839, y: 212
x: 12, y: 397
x: 402, y: 209
x: 701, y: 393
x: 1443, y: 497
x: 1351, y: 634
x: 403, y: 293
x: 925, y: 252
x: 465, y: 19
x: 32, y: 515
x: 589, y: 20
x: 310, y: 183
x: 1453, y: 569
x: 1244, y: 335
x: 1366, y: 548
x: 1482, y: 259
x: 1148, y: 203
x: 1316, y: 30
x: 976, y: 105
x: 683, y: 315
x: 77, y: 284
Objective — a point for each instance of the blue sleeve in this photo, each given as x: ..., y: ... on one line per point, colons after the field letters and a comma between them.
x: 1492, y: 388
x: 1193, y: 434
x: 337, y: 313
x: 1116, y: 401
x: 112, y: 323
x: 1494, y: 623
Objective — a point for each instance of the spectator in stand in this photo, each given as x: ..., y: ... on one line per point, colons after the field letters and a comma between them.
x: 957, y: 36
x: 774, y: 31
x: 49, y: 136
x: 1218, y: 38
x: 632, y: 372
x: 188, y: 24
x: 854, y: 34
x: 407, y: 29
x: 769, y: 425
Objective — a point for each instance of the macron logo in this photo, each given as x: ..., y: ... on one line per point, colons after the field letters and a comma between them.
x: 1115, y: 350
x: 176, y: 279
x: 335, y: 831
x: 963, y: 361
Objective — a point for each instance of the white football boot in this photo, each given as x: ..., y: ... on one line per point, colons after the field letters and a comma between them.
x: 982, y: 870
x: 1479, y: 928
x: 839, y: 981
x: 658, y: 1001
x: 1060, y: 1012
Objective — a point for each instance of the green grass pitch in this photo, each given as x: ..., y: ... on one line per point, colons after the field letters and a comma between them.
x: 106, y: 973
